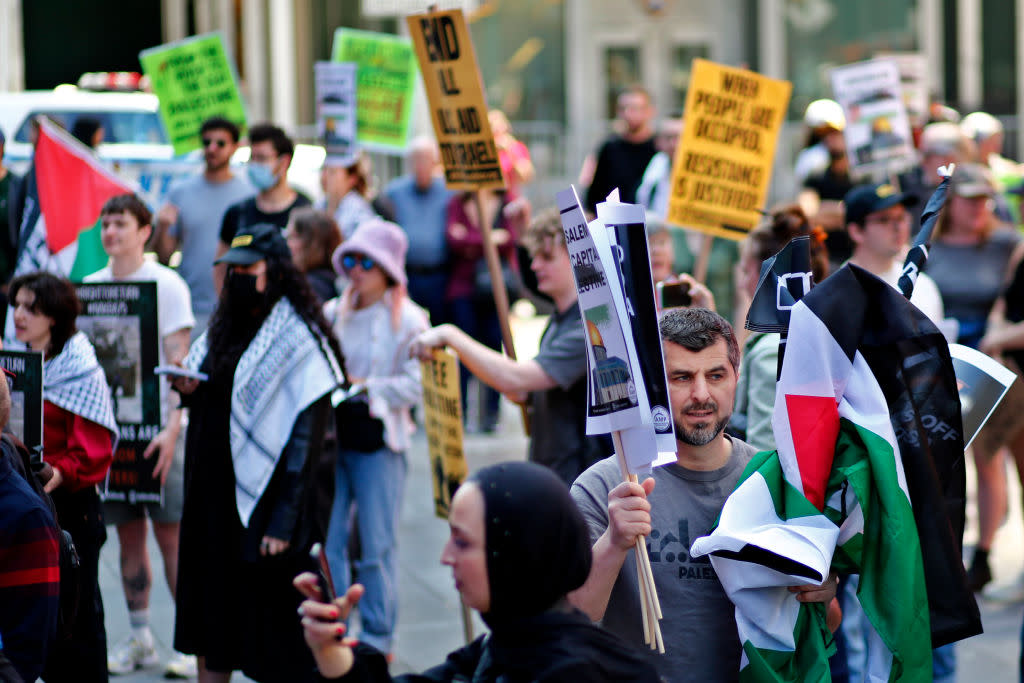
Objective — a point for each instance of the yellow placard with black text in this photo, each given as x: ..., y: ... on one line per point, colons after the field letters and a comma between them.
x: 442, y: 416
x: 723, y: 163
x: 458, y: 108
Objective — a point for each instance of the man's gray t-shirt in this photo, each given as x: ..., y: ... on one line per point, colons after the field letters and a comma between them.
x: 699, y: 624
x: 201, y: 206
x: 558, y: 433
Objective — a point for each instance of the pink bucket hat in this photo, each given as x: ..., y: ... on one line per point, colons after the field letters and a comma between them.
x: 382, y: 241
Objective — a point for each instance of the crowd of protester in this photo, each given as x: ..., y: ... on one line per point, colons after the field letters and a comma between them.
x: 287, y: 306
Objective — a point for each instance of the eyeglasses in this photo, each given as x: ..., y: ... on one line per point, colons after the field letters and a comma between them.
x: 349, y: 261
x: 221, y: 144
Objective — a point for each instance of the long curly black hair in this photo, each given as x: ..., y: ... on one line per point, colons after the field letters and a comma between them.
x: 232, y: 328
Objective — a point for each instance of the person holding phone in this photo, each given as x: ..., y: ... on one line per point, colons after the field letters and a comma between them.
x: 254, y: 465
x: 79, y: 432
x: 673, y: 291
x: 518, y: 545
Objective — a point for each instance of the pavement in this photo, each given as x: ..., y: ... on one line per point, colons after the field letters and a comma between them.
x: 430, y: 619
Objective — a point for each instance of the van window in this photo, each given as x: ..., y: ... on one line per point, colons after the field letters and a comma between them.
x: 124, y: 127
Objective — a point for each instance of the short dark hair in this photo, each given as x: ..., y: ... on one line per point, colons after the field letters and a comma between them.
x: 129, y: 203
x: 696, y: 329
x: 263, y: 132
x: 55, y: 298
x: 220, y: 123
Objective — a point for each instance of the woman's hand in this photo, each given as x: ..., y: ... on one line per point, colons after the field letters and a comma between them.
x: 163, y: 445
x: 824, y: 592
x: 322, y: 627
x: 184, y: 385
x: 55, y: 480
x: 700, y: 296
x: 272, y: 546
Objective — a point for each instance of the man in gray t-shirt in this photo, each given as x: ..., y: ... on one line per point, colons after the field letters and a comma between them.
x: 190, y: 219
x: 673, y: 508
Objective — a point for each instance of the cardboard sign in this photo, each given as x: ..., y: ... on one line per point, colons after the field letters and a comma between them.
x: 723, y: 163
x: 458, y: 108
x: 26, y: 387
x: 878, y: 138
x: 628, y: 233
x: 385, y: 81
x: 442, y: 418
x: 982, y: 383
x: 336, y: 109
x: 120, y: 319
x: 194, y: 80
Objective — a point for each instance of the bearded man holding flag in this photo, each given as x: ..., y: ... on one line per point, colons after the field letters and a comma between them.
x: 868, y: 479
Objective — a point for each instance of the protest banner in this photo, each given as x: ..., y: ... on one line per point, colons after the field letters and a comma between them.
x: 385, y: 81
x: 26, y: 386
x: 336, y: 109
x: 628, y: 234
x: 194, y: 80
x: 981, y: 383
x: 617, y: 399
x: 723, y: 163
x: 120, y: 320
x: 442, y: 420
x: 877, y: 133
x: 913, y: 70
x: 458, y: 108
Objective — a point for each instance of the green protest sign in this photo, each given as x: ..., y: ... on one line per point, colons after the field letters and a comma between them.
x: 194, y: 80
x: 384, y: 81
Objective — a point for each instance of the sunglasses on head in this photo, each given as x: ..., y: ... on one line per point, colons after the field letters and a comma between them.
x: 349, y: 261
x: 211, y: 141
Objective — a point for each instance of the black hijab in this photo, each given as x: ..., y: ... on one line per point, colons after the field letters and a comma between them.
x: 538, y: 546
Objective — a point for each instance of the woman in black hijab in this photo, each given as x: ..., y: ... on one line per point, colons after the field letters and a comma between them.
x: 518, y: 545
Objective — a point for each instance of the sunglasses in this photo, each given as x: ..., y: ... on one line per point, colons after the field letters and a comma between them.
x: 349, y: 261
x: 210, y: 141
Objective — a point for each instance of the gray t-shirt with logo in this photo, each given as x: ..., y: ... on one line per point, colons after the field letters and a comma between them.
x: 699, y: 624
x: 201, y: 206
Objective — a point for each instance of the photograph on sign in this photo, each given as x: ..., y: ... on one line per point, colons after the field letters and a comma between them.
x: 194, y: 80
x: 913, y: 70
x: 878, y: 136
x: 442, y: 419
x: 613, y: 402
x: 458, y: 108
x: 385, y: 81
x: 336, y: 108
x: 26, y: 389
x: 628, y: 234
x: 723, y: 162
x: 120, y: 320
x: 981, y: 383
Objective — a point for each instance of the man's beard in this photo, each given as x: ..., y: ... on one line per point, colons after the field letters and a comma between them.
x: 703, y: 435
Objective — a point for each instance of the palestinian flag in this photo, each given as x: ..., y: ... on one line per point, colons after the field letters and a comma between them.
x: 71, y: 188
x: 868, y: 479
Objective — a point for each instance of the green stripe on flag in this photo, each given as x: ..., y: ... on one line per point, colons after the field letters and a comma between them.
x: 808, y: 663
x: 90, y: 256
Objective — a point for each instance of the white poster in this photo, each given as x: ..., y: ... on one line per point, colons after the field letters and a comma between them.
x: 336, y: 109
x: 878, y: 136
x: 913, y: 69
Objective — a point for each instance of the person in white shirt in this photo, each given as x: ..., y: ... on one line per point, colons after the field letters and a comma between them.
x: 126, y: 227
x: 878, y: 223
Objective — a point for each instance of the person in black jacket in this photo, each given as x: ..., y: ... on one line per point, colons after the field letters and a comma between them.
x: 518, y: 545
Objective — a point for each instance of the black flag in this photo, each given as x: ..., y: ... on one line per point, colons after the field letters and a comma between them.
x: 918, y: 253
x: 785, y: 278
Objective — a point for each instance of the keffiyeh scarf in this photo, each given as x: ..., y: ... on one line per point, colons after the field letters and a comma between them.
x: 74, y: 381
x: 284, y: 370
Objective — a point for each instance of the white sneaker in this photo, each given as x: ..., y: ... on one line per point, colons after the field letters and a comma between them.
x: 130, y: 655
x: 181, y: 666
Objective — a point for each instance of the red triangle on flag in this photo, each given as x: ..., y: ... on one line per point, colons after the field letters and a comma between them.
x: 814, y: 424
x: 73, y: 186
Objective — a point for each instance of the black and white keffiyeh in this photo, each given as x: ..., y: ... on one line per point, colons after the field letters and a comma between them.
x: 282, y: 372
x: 74, y: 381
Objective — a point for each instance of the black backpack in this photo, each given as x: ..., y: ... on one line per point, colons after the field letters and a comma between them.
x: 70, y: 565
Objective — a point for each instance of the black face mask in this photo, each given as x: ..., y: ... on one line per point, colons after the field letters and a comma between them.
x: 242, y: 291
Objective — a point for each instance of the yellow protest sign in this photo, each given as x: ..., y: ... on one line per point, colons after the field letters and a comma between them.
x: 442, y: 416
x: 723, y: 163
x: 458, y: 108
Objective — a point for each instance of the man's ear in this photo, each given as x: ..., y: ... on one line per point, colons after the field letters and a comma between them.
x: 855, y: 231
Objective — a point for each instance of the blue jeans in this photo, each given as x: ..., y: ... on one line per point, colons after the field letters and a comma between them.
x: 374, y: 482
x: 428, y: 290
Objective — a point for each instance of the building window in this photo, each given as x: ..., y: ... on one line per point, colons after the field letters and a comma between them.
x: 682, y: 67
x: 621, y: 70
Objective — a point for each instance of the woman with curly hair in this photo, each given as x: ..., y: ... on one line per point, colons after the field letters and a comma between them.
x: 254, y: 460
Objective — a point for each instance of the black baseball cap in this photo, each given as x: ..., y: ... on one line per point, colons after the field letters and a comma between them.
x: 255, y: 243
x: 865, y: 199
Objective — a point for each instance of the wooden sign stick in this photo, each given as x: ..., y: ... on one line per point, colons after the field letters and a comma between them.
x: 700, y: 268
x: 498, y: 288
